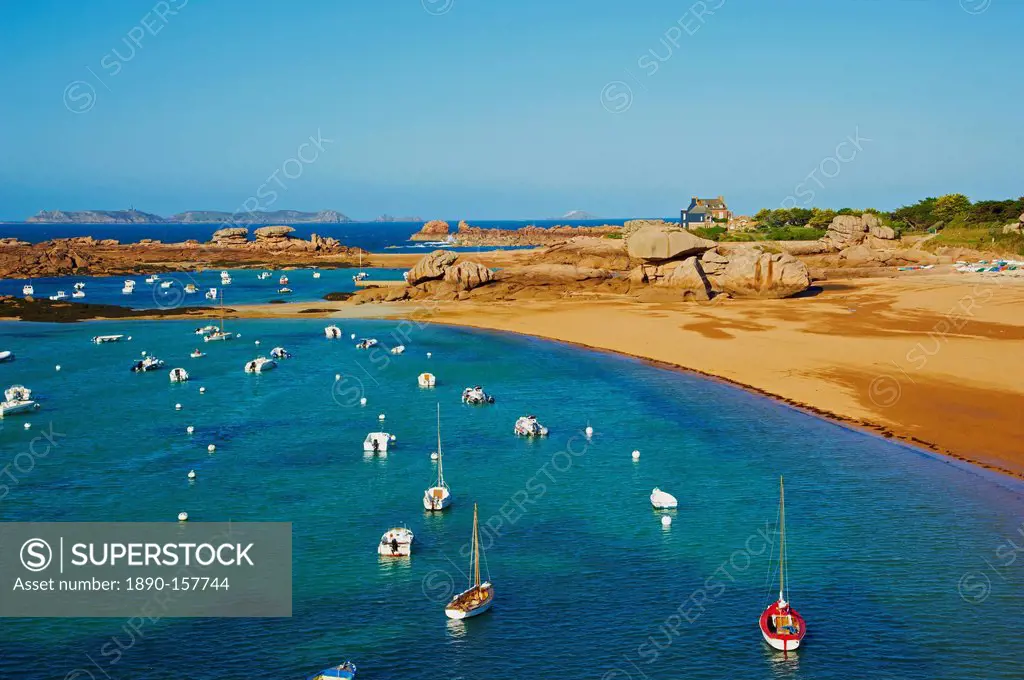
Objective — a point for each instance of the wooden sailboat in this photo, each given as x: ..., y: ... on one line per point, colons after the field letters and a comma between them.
x: 439, y: 496
x: 480, y: 596
x: 219, y: 334
x: 782, y: 627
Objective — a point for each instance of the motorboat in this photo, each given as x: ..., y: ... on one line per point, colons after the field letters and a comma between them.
x: 479, y: 597
x: 280, y: 353
x: 377, y: 442
x: 396, y: 542
x: 346, y: 671
x: 225, y: 280
x: 166, y: 284
x: 263, y: 275
x: 527, y: 426
x: 28, y: 289
x: 178, y: 375
x: 147, y: 364
x: 333, y: 332
x: 284, y: 290
x: 398, y: 349
x: 781, y: 626
x: 79, y: 285
x: 476, y: 395
x: 206, y: 330
x: 360, y: 276
x: 152, y: 279
x: 191, y: 289
x: 17, y: 399
x: 366, y: 343
x: 439, y: 496
x: 225, y: 274
x: 129, y: 287
x: 6, y: 356
x: 663, y: 500
x: 426, y: 380
x: 211, y: 294
x: 196, y: 354
x: 316, y: 275
x: 101, y: 339
x: 260, y: 365
x: 283, y: 280
x: 61, y: 295
x: 78, y: 294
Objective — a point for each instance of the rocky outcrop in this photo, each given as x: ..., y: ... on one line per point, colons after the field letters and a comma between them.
x: 631, y: 226
x: 431, y: 267
x: 468, y: 235
x: 273, y: 232
x: 752, y: 273
x: 687, y: 276
x: 434, y: 230
x: 653, y: 243
x: 534, y: 273
x: 849, y: 230
x: 468, y: 275
x: 232, y: 236
x: 713, y: 262
x: 585, y: 251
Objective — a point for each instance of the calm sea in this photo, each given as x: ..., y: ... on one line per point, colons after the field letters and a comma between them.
x: 887, y: 546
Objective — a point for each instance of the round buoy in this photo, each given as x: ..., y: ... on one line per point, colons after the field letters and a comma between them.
x: 239, y: 336
x: 202, y: 390
x: 433, y: 455
x: 393, y: 439
x: 57, y: 367
x: 636, y: 455
x: 589, y: 431
x: 190, y: 429
x: 143, y: 352
x: 28, y: 426
x: 353, y: 336
x: 429, y: 355
x: 182, y: 516
x: 381, y: 417
x: 666, y: 521
x: 191, y: 474
x: 177, y: 407
x: 257, y: 342
x: 211, y: 448
x: 337, y: 377
x: 129, y: 337
x: 362, y: 401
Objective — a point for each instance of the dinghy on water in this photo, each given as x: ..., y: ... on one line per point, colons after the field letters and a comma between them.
x: 191, y: 289
x: 377, y: 442
x: 78, y: 294
x: 283, y: 280
x: 346, y: 671
x: 263, y: 275
x: 479, y: 597
x: 280, y: 353
x: 366, y: 343
x: 398, y: 349
x: 61, y: 295
x: 17, y: 399
x: 663, y: 500
x: 527, y: 426
x: 6, y: 355
x: 316, y: 275
x: 260, y: 365
x: 426, y: 380
x: 476, y: 395
x: 284, y: 290
x: 28, y: 289
x: 178, y: 375
x: 396, y: 542
x: 152, y: 279
x: 781, y: 626
x: 129, y: 287
x: 147, y: 364
x: 332, y: 332
x: 439, y: 496
x: 211, y: 294
x: 166, y: 284
x: 102, y: 339
x: 196, y: 354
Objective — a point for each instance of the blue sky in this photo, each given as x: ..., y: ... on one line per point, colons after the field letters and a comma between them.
x: 492, y: 109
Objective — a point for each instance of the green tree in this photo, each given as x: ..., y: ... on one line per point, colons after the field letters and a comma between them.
x: 951, y: 206
x: 820, y: 219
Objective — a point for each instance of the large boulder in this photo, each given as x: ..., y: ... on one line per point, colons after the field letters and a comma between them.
x: 756, y: 274
x: 860, y: 255
x: 273, y: 232
x: 846, y: 231
x: 232, y: 236
x: 432, y: 266
x: 434, y: 230
x: 687, y: 276
x: 657, y: 242
x: 534, y: 273
x: 713, y: 262
x: 468, y: 275
x: 882, y: 232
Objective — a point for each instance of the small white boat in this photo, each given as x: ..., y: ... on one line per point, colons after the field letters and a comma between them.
x: 78, y: 294
x: 211, y: 294
x: 61, y: 295
x: 28, y: 289
x: 285, y: 290
x: 377, y: 442
x: 260, y: 365
x: 225, y: 274
x: 280, y: 353
x: 333, y: 332
x: 439, y: 496
x: 147, y: 364
x: 101, y: 339
x: 662, y: 500
x: 476, y: 395
x: 206, y: 330
x: 426, y: 380
x: 166, y: 284
x: 128, y: 290
x: 218, y: 335
x: 316, y: 275
x: 179, y: 375
x: 366, y: 343
x: 191, y: 289
x: 527, y: 426
x: 398, y: 349
x: 479, y: 597
x: 6, y: 355
x: 283, y: 280
x: 17, y: 399
x: 396, y: 542
x: 79, y: 285
x: 263, y: 275
x: 225, y: 281
x: 196, y: 354
x: 346, y: 671
x: 152, y: 279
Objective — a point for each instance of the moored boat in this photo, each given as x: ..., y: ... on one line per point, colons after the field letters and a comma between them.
x: 101, y: 339
x: 79, y: 285
x: 280, y: 353
x: 206, y: 330
x: 398, y: 349
x: 283, y: 280
x: 316, y: 275
x: 78, y: 294
x: 17, y: 399
x: 366, y: 343
x: 476, y: 395
x: 284, y: 290
x: 662, y: 500
x: 60, y: 295
x: 426, y: 380
x: 439, y: 496
x: 263, y: 275
x: 346, y: 671
x: 191, y: 289
x: 377, y: 442
x: 219, y: 334
x: 479, y: 597
x: 332, y: 332
x: 28, y: 289
x: 129, y: 287
x: 396, y: 542
x: 6, y: 355
x: 781, y: 626
x: 147, y: 364
x: 527, y: 426
x: 178, y: 375
x: 260, y: 365
x: 210, y: 294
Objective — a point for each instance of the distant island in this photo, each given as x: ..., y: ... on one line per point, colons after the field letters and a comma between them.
x: 577, y: 215
x: 389, y: 218
x: 188, y: 217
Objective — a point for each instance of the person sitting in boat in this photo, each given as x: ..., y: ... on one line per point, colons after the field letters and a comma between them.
x: 394, y: 545
x: 376, y: 445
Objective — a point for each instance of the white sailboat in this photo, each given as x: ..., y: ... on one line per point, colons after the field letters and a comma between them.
x: 479, y: 597
x: 439, y: 496
x: 219, y: 334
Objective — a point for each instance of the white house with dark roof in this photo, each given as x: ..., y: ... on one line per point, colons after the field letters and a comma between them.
x: 705, y: 212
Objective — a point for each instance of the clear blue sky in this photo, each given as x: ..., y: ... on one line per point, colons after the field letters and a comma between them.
x: 494, y: 108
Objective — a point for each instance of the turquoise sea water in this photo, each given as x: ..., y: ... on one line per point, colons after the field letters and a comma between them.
x: 887, y: 546
x: 244, y: 288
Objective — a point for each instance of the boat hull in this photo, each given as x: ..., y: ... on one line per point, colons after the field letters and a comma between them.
x: 435, y: 504
x: 783, y: 642
x: 460, y: 614
x: 14, y: 409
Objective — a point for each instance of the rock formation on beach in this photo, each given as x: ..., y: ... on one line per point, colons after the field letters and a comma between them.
x: 468, y: 235
x: 1015, y: 227
x: 434, y: 230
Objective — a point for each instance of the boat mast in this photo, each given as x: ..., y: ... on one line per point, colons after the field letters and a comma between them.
x: 782, y: 541
x: 222, y: 308
x: 440, y: 456
x: 476, y: 549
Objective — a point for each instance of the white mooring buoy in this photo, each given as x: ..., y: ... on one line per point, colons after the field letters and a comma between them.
x: 211, y: 448
x: 191, y: 474
x: 381, y: 417
x: 28, y: 426
x: 666, y: 521
x: 433, y: 455
x: 337, y: 377
x: 429, y: 354
x: 362, y: 401
x: 589, y: 431
x: 57, y: 367
x: 202, y: 390
x: 182, y: 516
x: 177, y: 407
x: 190, y: 429
x: 636, y: 455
